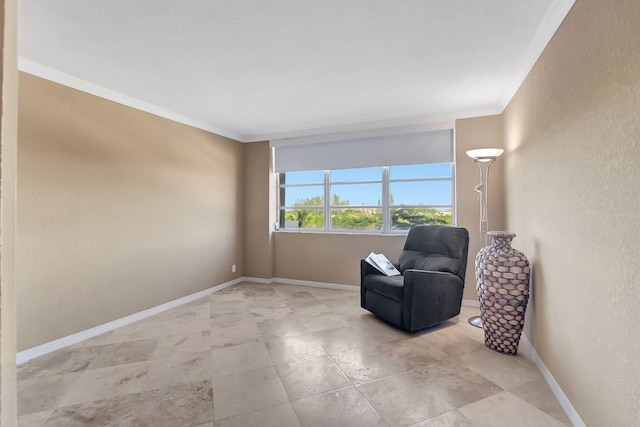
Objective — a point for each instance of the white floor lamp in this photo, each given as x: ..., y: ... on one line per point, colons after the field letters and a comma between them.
x: 483, y: 157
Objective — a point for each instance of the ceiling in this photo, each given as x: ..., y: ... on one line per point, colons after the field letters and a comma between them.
x: 255, y: 69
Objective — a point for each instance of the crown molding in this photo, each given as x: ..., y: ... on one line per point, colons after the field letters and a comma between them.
x: 548, y: 27
x: 384, y: 127
x: 73, y: 82
x: 550, y: 24
x: 404, y: 124
x: 378, y: 128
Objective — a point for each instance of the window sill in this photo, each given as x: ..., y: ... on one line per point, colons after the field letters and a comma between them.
x: 345, y: 232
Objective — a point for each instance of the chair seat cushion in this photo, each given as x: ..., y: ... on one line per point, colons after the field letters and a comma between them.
x: 389, y: 286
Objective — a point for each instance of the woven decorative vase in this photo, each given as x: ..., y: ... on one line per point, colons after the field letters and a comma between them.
x: 502, y: 281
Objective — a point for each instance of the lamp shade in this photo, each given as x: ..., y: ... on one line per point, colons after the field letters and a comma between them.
x: 485, y: 154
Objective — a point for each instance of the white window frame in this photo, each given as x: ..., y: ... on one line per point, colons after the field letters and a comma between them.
x: 385, y: 206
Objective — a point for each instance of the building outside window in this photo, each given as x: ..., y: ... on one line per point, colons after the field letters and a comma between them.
x: 382, y: 199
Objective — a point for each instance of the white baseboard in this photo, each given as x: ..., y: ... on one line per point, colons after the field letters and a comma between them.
x: 471, y: 303
x: 258, y: 280
x: 324, y: 285
x: 529, y: 351
x: 28, y: 354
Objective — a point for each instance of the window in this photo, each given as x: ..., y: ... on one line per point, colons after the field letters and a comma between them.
x: 420, y: 194
x: 381, y: 181
x: 302, y: 200
x: 383, y: 199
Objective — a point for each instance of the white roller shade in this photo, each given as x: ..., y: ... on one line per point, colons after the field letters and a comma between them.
x: 405, y: 149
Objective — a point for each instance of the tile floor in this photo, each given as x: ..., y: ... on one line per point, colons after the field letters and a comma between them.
x: 281, y: 355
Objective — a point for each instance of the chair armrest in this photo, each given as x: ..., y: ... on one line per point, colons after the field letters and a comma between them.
x: 365, y: 269
x: 431, y: 295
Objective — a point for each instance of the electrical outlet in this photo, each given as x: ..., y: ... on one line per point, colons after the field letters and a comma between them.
x: 233, y: 268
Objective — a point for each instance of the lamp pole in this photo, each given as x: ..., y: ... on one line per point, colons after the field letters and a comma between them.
x: 484, y: 158
x: 484, y: 167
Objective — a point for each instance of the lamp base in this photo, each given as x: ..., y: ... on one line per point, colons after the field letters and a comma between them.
x: 475, y: 321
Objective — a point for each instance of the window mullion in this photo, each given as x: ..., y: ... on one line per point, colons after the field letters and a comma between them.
x: 327, y: 200
x: 454, y: 215
x: 278, y: 224
x: 386, y: 202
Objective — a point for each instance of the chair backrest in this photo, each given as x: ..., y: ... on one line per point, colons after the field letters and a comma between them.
x: 436, y: 248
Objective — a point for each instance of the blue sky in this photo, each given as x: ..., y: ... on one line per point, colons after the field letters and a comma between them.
x: 408, y: 193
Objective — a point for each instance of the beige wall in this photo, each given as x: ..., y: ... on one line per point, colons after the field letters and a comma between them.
x: 118, y: 211
x: 479, y: 132
x: 9, y: 127
x: 329, y: 257
x: 259, y: 197
x: 573, y: 196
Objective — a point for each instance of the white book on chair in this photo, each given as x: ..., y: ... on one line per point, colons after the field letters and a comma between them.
x: 381, y: 262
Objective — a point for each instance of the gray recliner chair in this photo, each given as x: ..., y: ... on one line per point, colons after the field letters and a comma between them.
x: 433, y: 264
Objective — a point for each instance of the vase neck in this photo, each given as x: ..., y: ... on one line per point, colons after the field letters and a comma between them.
x: 501, y: 240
